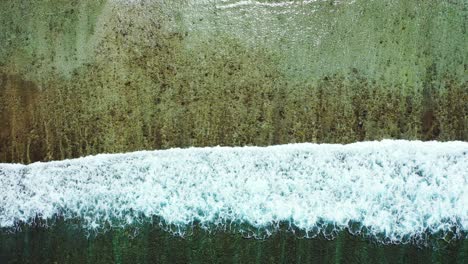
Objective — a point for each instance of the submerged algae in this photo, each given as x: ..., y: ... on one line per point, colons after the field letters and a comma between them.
x: 113, y: 77
x: 84, y: 77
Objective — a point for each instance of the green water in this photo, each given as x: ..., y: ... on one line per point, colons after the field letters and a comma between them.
x: 86, y: 76
x: 65, y: 243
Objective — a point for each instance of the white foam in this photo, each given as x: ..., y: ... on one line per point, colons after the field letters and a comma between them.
x: 225, y: 4
x: 395, y: 188
x: 264, y: 4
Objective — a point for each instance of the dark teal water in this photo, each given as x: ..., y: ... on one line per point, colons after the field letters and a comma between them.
x: 64, y: 242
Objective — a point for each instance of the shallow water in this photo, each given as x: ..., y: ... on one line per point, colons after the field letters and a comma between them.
x: 79, y: 78
x: 88, y: 77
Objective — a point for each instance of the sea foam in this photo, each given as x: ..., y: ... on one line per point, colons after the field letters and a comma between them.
x: 394, y: 189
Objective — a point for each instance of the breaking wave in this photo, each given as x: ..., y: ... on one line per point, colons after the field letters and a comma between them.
x: 392, y: 190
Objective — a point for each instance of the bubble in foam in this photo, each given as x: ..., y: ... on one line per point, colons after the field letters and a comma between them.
x: 392, y: 190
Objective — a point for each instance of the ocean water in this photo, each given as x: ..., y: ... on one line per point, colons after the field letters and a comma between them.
x: 394, y: 191
x: 113, y: 76
x: 389, y: 200
x: 65, y: 243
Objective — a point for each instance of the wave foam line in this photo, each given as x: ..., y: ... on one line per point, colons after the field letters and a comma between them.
x: 264, y: 4
x: 394, y: 188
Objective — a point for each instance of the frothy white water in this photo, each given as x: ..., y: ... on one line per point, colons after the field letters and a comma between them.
x: 229, y: 4
x: 394, y: 188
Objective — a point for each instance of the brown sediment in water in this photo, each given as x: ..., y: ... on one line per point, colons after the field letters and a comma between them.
x: 88, y: 77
